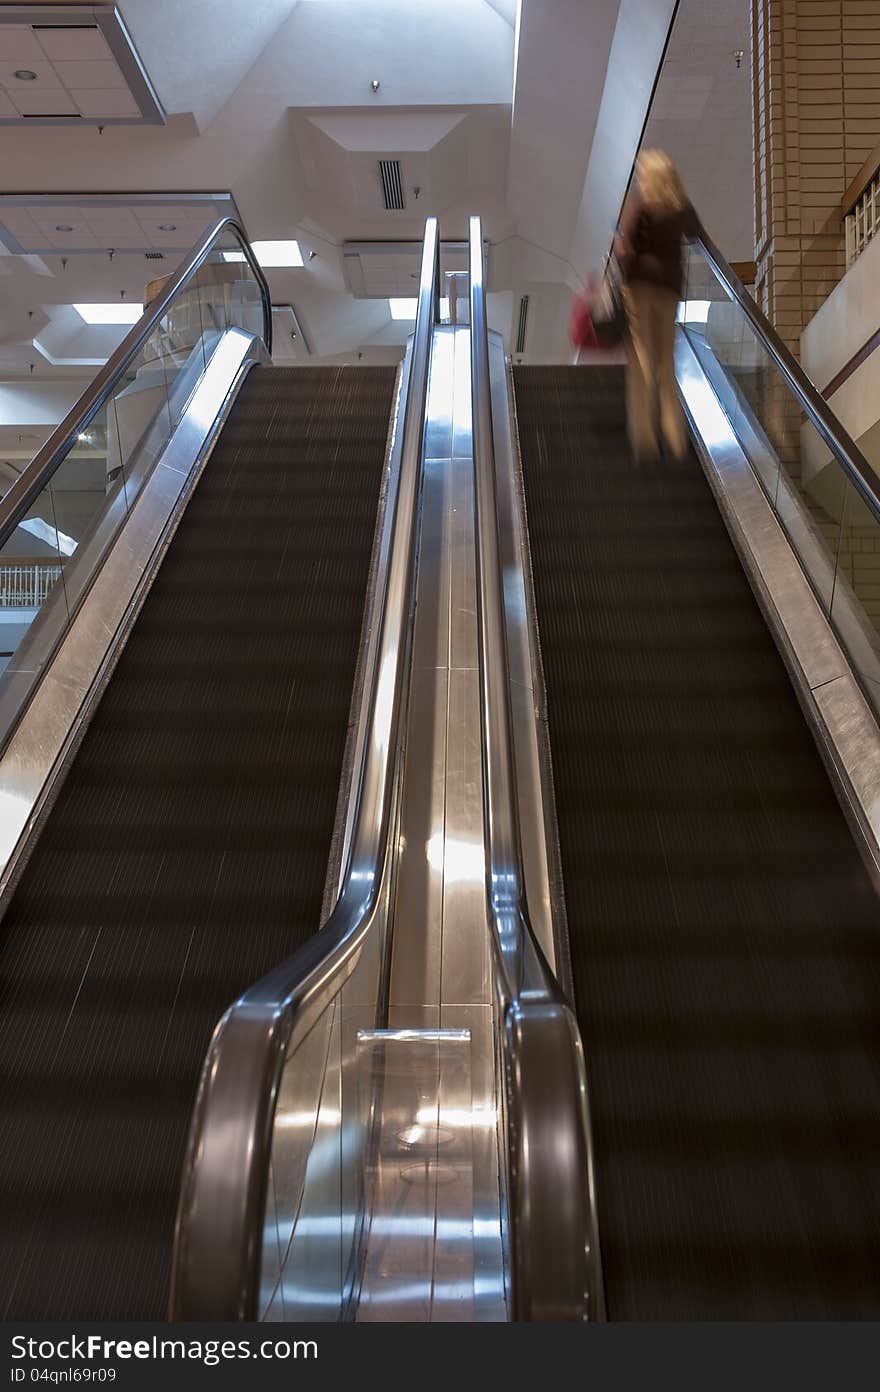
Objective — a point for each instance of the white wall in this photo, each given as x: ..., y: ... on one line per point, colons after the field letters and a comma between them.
x: 639, y: 37
x: 846, y: 321
x: 39, y: 403
x: 702, y: 115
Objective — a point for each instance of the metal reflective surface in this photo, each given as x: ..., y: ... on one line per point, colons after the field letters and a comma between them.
x: 217, y: 1271
x: 841, y: 718
x: 437, y: 1164
x: 554, y: 1249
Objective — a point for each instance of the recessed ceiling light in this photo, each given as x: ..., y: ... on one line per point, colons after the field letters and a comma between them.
x: 109, y: 313
x: 270, y: 254
x: 63, y: 227
x: 25, y: 75
x: 167, y: 226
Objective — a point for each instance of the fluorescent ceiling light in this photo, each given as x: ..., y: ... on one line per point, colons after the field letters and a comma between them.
x: 270, y: 254
x: 109, y: 313
x: 406, y: 309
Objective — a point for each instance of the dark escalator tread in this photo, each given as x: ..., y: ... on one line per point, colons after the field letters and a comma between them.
x: 187, y: 852
x: 725, y: 935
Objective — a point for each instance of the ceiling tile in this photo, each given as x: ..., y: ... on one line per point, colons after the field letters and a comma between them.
x: 19, y: 222
x: 113, y: 102
x: 181, y: 226
x: 6, y: 107
x: 80, y: 237
x: 109, y: 217
x: 46, y: 76
x: 17, y: 42
x: 72, y: 43
x: 119, y: 240
x: 48, y: 214
x: 98, y: 74
x: 44, y: 101
x: 173, y: 212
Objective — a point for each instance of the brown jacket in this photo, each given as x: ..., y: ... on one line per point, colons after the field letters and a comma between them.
x: 649, y: 246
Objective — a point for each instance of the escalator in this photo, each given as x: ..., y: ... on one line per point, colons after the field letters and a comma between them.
x: 186, y: 852
x: 722, y: 924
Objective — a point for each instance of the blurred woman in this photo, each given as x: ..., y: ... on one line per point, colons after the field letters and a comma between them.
x: 655, y: 222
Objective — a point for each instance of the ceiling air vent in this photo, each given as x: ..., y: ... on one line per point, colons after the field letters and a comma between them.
x: 521, y: 326
x: 155, y: 255
x: 392, y: 185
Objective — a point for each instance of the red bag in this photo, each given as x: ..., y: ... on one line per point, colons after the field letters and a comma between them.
x: 580, y: 325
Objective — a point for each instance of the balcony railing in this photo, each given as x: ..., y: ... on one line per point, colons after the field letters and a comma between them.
x: 26, y: 584
x: 861, y: 207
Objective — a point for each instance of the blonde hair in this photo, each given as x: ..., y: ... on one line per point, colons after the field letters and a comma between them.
x: 660, y: 182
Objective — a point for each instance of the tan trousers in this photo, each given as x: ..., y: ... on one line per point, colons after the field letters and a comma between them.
x: 651, y: 388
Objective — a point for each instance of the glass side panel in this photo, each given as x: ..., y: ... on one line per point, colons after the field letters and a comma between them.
x: 30, y: 567
x: 855, y: 607
x: 147, y: 403
x: 834, y: 534
x: 803, y: 482
x: 47, y: 542
x: 50, y: 559
x: 230, y: 291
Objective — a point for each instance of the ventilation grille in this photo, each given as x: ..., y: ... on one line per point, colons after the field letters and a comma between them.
x: 521, y: 326
x: 155, y: 255
x: 392, y: 185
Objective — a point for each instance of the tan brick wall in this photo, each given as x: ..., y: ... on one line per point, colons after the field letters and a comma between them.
x: 816, y: 66
x: 816, y: 119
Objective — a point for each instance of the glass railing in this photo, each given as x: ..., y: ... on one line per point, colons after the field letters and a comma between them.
x: 822, y: 489
x: 63, y: 513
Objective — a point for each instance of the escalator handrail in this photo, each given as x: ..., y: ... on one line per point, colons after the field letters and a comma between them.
x: 843, y: 447
x: 216, y: 1268
x: 555, y: 1264
x: 49, y: 457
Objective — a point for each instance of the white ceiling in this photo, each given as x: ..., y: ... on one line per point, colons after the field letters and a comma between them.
x: 74, y: 74
x: 381, y: 271
x: 73, y: 64
x: 64, y: 268
x: 95, y: 225
x: 702, y: 115
x: 279, y: 111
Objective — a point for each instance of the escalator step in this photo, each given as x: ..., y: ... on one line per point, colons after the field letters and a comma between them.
x: 724, y: 932
x: 187, y: 851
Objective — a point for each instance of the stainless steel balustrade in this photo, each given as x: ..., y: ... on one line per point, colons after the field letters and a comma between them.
x: 51, y: 455
x: 553, y: 1236
x: 822, y: 491
x: 148, y: 404
x: 282, y: 1032
x: 844, y: 449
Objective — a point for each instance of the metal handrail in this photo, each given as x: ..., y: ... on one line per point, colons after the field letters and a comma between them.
x: 555, y: 1263
x: 33, y: 479
x: 218, y: 1242
x: 842, y: 446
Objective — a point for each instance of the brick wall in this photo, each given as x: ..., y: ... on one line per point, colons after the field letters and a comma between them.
x: 816, y: 119
x: 816, y: 66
